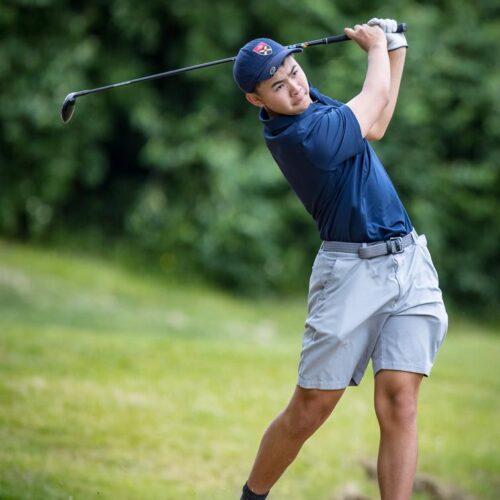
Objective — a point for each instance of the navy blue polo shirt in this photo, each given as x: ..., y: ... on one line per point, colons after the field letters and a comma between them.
x: 335, y: 172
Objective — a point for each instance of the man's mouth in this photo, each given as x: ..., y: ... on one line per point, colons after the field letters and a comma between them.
x: 304, y: 96
x: 298, y: 101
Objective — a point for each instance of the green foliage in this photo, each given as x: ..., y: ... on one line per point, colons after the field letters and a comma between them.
x: 177, y: 168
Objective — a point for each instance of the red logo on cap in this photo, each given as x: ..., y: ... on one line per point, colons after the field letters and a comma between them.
x: 263, y: 49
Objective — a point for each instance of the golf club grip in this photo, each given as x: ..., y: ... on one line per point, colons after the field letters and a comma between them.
x: 402, y: 27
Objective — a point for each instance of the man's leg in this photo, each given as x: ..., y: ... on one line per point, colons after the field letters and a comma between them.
x: 396, y: 395
x: 281, y: 442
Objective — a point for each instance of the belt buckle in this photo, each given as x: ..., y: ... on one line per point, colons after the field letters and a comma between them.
x: 395, y: 245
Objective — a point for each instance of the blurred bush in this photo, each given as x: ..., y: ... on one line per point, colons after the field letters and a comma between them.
x: 177, y: 168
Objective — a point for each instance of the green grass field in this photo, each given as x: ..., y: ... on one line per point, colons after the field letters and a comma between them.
x: 115, y: 385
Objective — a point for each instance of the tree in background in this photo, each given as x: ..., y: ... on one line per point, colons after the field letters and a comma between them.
x: 177, y: 169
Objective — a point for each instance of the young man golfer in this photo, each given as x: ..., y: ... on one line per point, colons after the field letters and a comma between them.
x: 373, y: 292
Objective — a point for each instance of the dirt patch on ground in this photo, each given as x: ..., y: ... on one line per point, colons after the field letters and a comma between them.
x: 433, y: 487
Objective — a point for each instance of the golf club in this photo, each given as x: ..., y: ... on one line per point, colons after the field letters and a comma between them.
x: 68, y: 107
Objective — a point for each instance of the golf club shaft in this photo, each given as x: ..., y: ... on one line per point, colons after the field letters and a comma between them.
x: 322, y: 41
x: 154, y: 77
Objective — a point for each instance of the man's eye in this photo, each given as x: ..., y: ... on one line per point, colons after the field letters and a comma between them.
x: 278, y: 87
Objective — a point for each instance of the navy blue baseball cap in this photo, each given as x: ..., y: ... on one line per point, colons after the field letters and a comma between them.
x: 258, y: 60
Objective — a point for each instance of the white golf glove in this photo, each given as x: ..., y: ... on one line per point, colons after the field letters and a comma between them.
x: 389, y: 26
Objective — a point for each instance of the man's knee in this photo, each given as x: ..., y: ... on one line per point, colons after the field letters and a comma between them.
x: 308, y: 410
x: 396, y: 396
x: 399, y: 408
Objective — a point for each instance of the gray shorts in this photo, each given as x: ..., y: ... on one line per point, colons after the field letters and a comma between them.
x: 388, y: 309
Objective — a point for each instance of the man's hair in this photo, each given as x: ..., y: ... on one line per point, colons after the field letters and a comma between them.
x: 256, y: 88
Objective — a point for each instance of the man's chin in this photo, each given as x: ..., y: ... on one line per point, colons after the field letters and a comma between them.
x: 302, y: 106
x: 296, y: 109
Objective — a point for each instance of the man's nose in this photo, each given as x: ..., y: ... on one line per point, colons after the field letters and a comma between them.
x: 294, y: 87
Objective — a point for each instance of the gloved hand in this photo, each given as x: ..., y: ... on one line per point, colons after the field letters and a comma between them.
x: 389, y: 26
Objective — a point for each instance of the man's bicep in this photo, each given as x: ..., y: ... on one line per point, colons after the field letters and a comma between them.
x: 367, y: 111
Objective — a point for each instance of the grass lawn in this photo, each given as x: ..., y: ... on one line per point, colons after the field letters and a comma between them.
x: 115, y: 385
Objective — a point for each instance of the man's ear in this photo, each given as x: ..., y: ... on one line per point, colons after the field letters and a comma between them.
x: 254, y: 99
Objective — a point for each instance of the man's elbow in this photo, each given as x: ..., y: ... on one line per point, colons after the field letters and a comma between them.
x: 379, y: 94
x: 375, y: 134
x: 377, y: 131
x: 379, y: 101
x: 384, y: 97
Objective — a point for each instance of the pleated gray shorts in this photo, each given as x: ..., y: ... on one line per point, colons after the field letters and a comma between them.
x: 388, y: 309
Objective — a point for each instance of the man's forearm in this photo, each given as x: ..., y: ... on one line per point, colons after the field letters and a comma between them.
x: 368, y: 105
x: 379, y: 72
x: 397, y: 61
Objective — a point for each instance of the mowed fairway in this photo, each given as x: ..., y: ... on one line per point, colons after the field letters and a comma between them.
x: 118, y: 386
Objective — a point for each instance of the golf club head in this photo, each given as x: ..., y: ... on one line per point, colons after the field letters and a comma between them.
x: 68, y: 107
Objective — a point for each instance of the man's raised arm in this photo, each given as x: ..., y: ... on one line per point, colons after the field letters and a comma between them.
x: 368, y: 105
x: 396, y: 45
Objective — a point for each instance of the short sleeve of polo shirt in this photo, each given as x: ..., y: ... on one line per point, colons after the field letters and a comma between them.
x: 333, y: 136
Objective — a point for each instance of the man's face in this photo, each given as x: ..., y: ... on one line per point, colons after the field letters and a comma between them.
x: 286, y: 93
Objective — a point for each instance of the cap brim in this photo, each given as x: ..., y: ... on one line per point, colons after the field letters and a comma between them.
x: 275, y: 62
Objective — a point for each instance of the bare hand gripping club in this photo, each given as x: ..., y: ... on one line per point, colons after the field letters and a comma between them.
x: 68, y: 106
